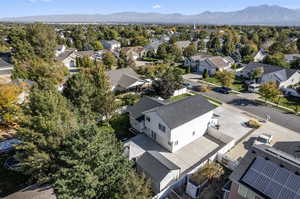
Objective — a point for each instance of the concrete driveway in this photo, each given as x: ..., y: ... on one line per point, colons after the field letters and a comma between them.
x: 232, y: 121
x: 279, y: 117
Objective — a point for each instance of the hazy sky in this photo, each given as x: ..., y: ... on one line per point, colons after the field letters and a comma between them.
x: 13, y: 8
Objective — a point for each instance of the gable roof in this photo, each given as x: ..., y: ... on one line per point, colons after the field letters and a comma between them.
x: 282, y: 74
x: 145, y: 104
x: 183, y: 44
x: 218, y: 62
x: 155, y: 165
x: 182, y: 111
x: 34, y: 192
x: 64, y: 55
x: 123, y: 77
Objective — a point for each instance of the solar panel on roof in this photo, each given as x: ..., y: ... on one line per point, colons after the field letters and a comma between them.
x: 293, y: 182
x: 281, y: 175
x: 250, y: 176
x: 270, y: 169
x: 261, y: 183
x: 258, y: 164
x: 273, y: 189
x: 285, y: 193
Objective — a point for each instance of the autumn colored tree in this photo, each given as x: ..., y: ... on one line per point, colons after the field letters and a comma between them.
x: 9, y: 106
x: 269, y: 90
x: 226, y: 78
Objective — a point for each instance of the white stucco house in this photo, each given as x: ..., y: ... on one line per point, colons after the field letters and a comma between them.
x: 111, y: 45
x: 173, y: 138
x: 260, y: 55
x: 284, y: 77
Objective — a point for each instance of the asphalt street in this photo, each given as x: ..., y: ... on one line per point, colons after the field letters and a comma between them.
x: 279, y: 117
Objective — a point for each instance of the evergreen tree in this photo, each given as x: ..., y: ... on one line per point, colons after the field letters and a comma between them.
x: 98, y: 171
x: 44, y: 126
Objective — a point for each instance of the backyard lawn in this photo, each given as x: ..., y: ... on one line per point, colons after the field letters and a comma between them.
x: 121, y: 125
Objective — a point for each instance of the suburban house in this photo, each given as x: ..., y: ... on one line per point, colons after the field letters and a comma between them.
x: 135, y: 52
x: 68, y: 58
x: 153, y: 46
x: 34, y: 192
x: 260, y: 55
x: 284, y: 77
x: 173, y: 138
x: 289, y: 58
x: 183, y: 44
x: 200, y: 63
x: 111, y: 45
x: 5, y: 66
x: 125, y: 79
x: 267, y: 172
x: 59, y: 50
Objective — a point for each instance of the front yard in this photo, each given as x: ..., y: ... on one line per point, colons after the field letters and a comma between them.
x: 178, y: 97
x: 237, y: 85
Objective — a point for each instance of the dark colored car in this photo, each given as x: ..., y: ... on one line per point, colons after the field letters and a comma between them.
x: 12, y: 163
x: 8, y: 146
x: 223, y: 90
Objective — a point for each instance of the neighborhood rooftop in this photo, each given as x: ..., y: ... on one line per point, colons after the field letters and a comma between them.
x: 182, y: 111
x: 116, y: 77
x: 145, y: 104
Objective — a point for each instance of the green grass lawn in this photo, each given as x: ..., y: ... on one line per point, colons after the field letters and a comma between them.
x: 121, y: 125
x: 237, y: 85
x: 10, y: 181
x: 288, y: 102
x: 178, y: 97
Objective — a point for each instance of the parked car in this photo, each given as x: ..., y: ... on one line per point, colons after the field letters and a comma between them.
x: 12, y: 163
x: 8, y: 145
x: 265, y: 138
x: 223, y: 89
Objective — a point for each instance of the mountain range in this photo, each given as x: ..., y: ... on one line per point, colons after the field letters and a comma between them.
x: 258, y: 15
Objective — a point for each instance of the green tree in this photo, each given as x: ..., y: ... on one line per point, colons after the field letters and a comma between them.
x: 226, y: 78
x: 46, y: 75
x: 46, y: 122
x: 167, y: 82
x: 190, y: 50
x: 257, y: 73
x: 228, y: 46
x: 97, y: 45
x: 269, y: 90
x: 98, y: 171
x: 201, y: 45
x: 276, y: 59
x: 205, y: 74
x: 109, y: 60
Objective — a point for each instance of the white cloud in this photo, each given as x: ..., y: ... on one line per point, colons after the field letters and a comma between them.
x: 156, y: 6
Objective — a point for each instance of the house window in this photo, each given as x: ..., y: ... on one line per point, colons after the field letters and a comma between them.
x: 194, y: 133
x: 153, y: 135
x: 162, y: 127
x: 175, y: 143
x: 245, y: 192
x: 148, y: 119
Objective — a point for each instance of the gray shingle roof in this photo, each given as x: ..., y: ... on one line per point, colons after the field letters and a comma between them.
x: 282, y: 74
x: 145, y: 104
x: 185, y: 110
x: 117, y: 79
x: 155, y: 165
x: 65, y: 55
